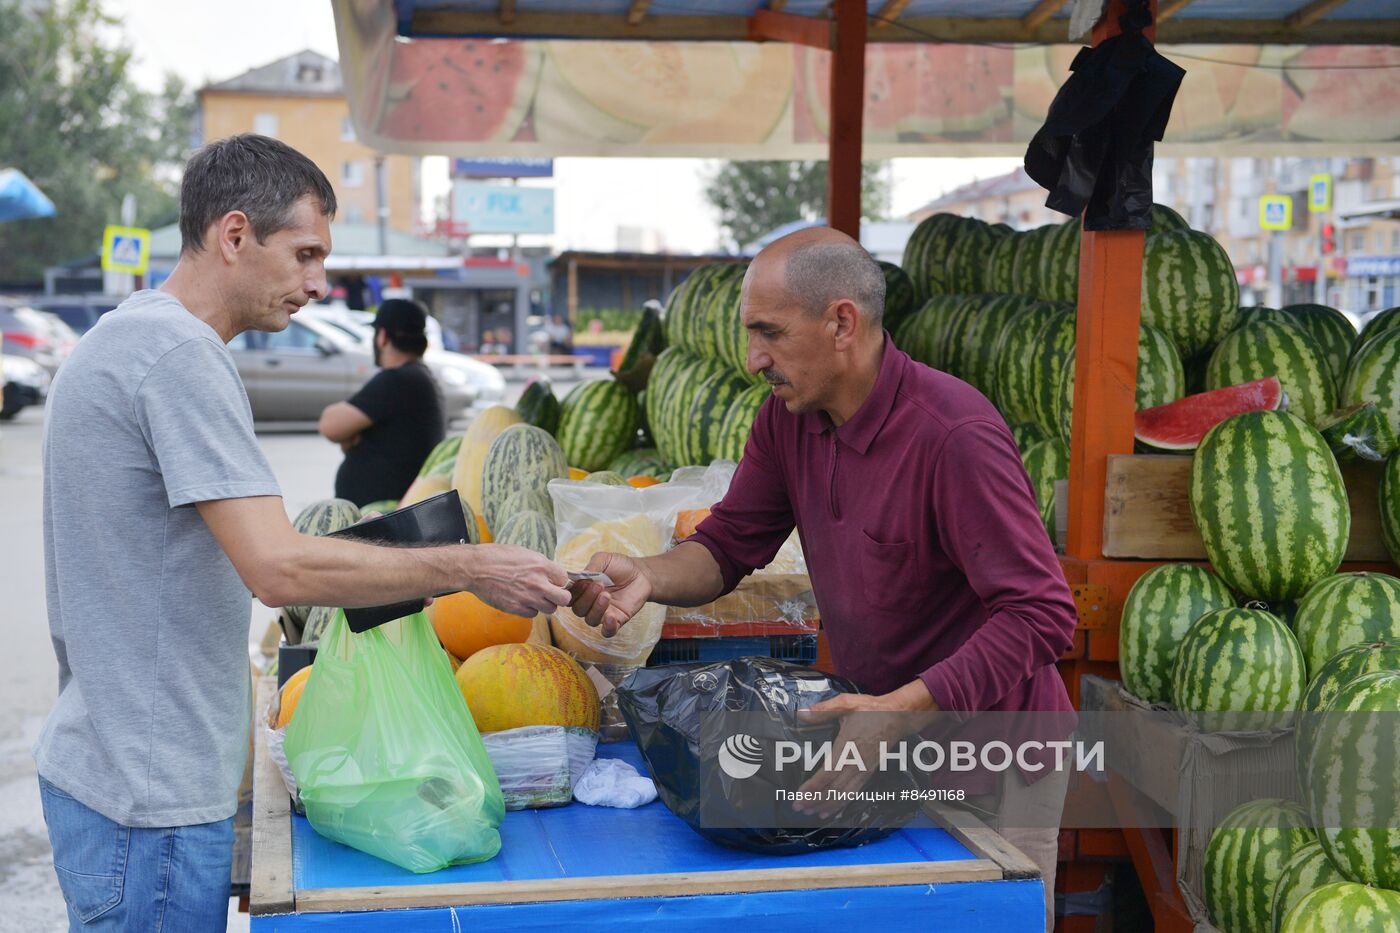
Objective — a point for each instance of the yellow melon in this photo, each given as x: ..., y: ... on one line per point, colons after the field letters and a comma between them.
x: 290, y: 696
x: 511, y: 686
x: 425, y: 487
x: 471, y: 457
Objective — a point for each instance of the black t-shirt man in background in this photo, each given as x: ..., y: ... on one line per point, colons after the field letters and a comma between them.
x: 388, y: 428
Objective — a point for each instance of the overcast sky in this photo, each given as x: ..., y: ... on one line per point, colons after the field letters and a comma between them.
x: 211, y: 40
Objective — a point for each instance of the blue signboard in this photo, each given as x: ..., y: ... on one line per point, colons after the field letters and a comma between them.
x: 502, y: 168
x: 1363, y: 267
x: 486, y: 208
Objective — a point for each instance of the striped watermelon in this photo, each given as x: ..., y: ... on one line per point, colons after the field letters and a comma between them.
x: 1027, y: 433
x: 1245, y: 858
x: 381, y: 506
x: 538, y: 406
x: 443, y: 457
x: 606, y: 478
x: 1052, y: 346
x: 712, y: 400
x: 966, y: 269
x: 1014, y: 394
x: 1390, y: 506
x: 1161, y: 607
x: 1164, y: 218
x: 318, y: 619
x: 1249, y: 314
x: 899, y: 296
x: 948, y: 336
x: 1382, y: 323
x: 1025, y: 271
x: 597, y: 421
x: 681, y: 441
x: 1308, y: 870
x: 1248, y: 477
x: 676, y: 317
x: 523, y: 457
x: 531, y: 530
x: 1343, y: 610
x: 471, y: 456
x: 1045, y: 463
x: 926, y: 254
x: 1059, y: 263
x: 1374, y: 376
x: 525, y: 500
x: 1359, y: 432
x: 647, y: 341
x: 727, y: 340
x: 1264, y: 348
x: 632, y: 462
x: 1189, y: 290
x: 1331, y: 330
x: 1354, y: 908
x: 325, y: 516
x: 737, y: 421
x: 1160, y: 380
x: 978, y: 339
x: 1238, y: 661
x: 926, y: 332
x: 1351, y: 768
x: 1341, y: 669
x: 1000, y: 276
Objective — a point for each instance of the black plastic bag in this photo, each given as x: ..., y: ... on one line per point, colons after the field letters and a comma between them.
x: 672, y: 713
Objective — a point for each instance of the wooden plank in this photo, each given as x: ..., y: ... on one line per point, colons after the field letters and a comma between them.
x: 766, y: 25
x: 889, y: 13
x: 1312, y: 13
x: 981, y: 841
x: 1148, y: 510
x: 602, y: 887
x: 1169, y: 8
x: 271, y: 883
x: 507, y: 11
x: 637, y: 11
x: 847, y: 113
x: 1042, y: 12
x: 1152, y: 861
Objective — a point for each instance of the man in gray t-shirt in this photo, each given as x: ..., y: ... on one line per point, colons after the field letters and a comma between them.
x: 160, y: 515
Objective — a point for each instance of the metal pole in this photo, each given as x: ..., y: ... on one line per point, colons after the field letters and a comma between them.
x: 381, y: 197
x: 1320, y: 284
x: 1275, y: 299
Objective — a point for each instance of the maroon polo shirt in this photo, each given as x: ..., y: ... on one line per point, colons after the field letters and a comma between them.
x: 922, y: 537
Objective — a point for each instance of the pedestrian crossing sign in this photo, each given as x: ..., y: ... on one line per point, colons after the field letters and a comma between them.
x: 126, y: 249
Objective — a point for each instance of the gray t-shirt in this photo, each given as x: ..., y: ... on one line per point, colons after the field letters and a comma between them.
x: 149, y: 619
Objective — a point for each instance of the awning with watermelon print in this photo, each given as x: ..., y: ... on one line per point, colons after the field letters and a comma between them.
x: 682, y: 78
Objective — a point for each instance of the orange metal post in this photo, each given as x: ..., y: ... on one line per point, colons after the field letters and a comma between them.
x: 1105, y: 373
x: 847, y: 105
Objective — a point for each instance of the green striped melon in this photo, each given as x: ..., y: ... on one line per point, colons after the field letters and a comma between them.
x: 976, y: 355
x: 443, y: 457
x: 1025, y: 272
x: 1238, y: 661
x: 1014, y: 394
x: 526, y: 500
x: 606, y: 478
x: 1189, y: 290
x: 1359, y: 432
x: 1265, y: 348
x: 682, y: 298
x: 318, y: 619
x: 597, y: 421
x: 1161, y: 607
x: 521, y: 457
x: 712, y: 400
x: 1374, y: 376
x: 1053, y: 344
x: 325, y: 516
x: 1382, y: 323
x: 926, y: 254
x: 728, y: 338
x: 1160, y: 378
x: 1351, y: 767
x: 1353, y: 908
x: 1245, y: 858
x: 531, y: 530
x: 734, y: 427
x: 1308, y: 870
x: 1343, y: 610
x: 1045, y: 463
x: 1164, y: 218
x: 1001, y: 264
x: 1331, y: 330
x: 646, y: 343
x: 1059, y: 263
x: 538, y: 406
x: 1027, y: 433
x: 1390, y: 506
x: 630, y: 462
x: 966, y: 268
x: 948, y: 337
x: 1341, y: 669
x: 899, y: 296
x: 1252, y: 313
x: 678, y: 435
x: 925, y: 333
x: 382, y: 506
x: 1249, y: 476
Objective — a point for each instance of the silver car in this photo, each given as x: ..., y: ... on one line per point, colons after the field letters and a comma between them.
x: 294, y: 374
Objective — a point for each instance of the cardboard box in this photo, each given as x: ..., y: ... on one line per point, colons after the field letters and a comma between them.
x: 782, y: 598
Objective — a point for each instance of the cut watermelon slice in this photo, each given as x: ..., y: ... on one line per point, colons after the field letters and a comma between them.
x: 1180, y: 425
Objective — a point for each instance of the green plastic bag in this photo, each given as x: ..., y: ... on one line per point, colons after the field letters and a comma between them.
x: 385, y: 752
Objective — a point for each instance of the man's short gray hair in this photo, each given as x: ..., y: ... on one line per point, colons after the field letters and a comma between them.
x: 819, y: 274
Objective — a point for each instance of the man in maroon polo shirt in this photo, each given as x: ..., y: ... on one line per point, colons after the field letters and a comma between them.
x: 937, y: 586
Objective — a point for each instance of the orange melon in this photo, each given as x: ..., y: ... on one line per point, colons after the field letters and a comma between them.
x: 511, y: 686
x: 465, y: 624
x: 688, y: 520
x: 291, y: 696
x: 642, y: 482
x: 576, y: 473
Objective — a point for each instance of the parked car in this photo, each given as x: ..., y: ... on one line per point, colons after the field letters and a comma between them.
x: 79, y: 312
x: 294, y: 374
x: 25, y: 383
x: 37, y: 335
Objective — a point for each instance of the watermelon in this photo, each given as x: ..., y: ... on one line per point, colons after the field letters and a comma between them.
x: 1331, y: 330
x: 522, y: 457
x: 1059, y: 263
x: 1350, y: 767
x: 900, y: 302
x: 1189, y: 290
x: 1245, y: 858
x: 538, y: 406
x: 1248, y: 478
x: 926, y: 254
x: 526, y: 500
x: 1160, y: 379
x: 1341, y: 669
x: 382, y: 506
x: 318, y: 619
x: 1025, y: 271
x: 1308, y: 870
x: 738, y: 419
x: 1014, y: 394
x: 999, y: 276
x: 325, y: 516
x: 947, y: 339
x: 1164, y: 218
x: 928, y: 330
x: 606, y: 478
x: 443, y: 457
x: 479, y: 85
x: 727, y: 339
x: 1053, y: 344
x: 1374, y: 376
x: 632, y: 462
x: 1255, y: 313
x: 1382, y: 323
x: 1354, y: 908
x: 1390, y: 506
x: 647, y: 341
x: 966, y: 268
x: 680, y: 305
x: 1238, y: 661
x: 1346, y: 609
x: 597, y: 421
x: 1182, y: 424
x: 707, y: 410
x: 1261, y: 349
x: 529, y: 530
x: 675, y: 434
x: 1045, y: 463
x: 1161, y: 607
x: 980, y: 339
x: 1027, y: 433
x: 1358, y: 432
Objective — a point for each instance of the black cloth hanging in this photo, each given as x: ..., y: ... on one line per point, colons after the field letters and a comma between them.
x: 1094, y: 153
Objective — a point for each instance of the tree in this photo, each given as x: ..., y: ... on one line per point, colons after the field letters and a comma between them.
x: 76, y: 124
x: 755, y: 197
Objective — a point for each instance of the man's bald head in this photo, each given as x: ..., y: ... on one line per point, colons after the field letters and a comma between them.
x: 821, y: 266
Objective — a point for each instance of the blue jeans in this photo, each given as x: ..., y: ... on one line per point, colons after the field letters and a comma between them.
x: 117, y: 877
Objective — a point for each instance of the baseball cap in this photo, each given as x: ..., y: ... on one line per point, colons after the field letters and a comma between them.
x: 402, y: 317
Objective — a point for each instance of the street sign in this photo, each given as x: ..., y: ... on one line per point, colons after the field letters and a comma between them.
x: 1275, y: 212
x: 1319, y: 193
x: 502, y: 168
x: 126, y: 249
x: 487, y: 208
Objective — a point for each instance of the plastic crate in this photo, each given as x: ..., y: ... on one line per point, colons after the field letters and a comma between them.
x: 799, y: 649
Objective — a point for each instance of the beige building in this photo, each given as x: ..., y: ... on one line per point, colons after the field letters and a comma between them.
x: 301, y: 101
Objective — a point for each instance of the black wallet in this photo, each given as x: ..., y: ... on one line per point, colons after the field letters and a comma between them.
x: 438, y: 520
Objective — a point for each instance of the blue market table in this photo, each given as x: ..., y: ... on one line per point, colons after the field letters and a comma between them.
x: 591, y: 868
